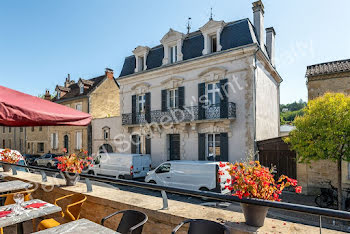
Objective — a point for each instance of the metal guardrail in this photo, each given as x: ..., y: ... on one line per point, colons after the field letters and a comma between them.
x: 322, y: 212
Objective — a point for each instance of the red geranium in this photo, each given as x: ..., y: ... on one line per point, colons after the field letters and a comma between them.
x: 251, y: 180
x: 74, y: 163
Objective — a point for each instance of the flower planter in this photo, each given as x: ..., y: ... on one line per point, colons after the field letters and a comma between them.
x: 254, y: 215
x: 6, y: 168
x: 71, y: 178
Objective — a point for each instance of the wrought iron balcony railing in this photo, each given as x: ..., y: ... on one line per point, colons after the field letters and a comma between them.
x: 187, y: 114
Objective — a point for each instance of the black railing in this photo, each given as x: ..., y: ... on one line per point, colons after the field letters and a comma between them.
x: 203, y: 194
x: 186, y: 114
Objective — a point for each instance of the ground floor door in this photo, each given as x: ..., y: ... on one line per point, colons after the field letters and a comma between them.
x: 174, y: 146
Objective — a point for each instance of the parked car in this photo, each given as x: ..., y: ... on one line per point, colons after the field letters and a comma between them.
x: 48, y: 160
x: 192, y: 175
x: 123, y: 166
x: 30, y: 158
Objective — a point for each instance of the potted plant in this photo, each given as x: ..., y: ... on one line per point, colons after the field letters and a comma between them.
x: 251, y: 180
x: 72, y: 165
x: 9, y: 156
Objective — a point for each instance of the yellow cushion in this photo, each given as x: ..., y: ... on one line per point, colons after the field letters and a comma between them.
x: 49, y: 223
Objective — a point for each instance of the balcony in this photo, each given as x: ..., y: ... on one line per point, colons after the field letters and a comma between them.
x: 187, y: 114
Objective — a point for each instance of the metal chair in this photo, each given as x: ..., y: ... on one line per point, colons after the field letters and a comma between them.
x: 70, y: 211
x: 131, y: 223
x: 201, y: 226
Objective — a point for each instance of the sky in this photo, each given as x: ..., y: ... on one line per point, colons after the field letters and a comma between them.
x: 42, y: 41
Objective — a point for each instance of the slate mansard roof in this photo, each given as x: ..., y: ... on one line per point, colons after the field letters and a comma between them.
x: 328, y: 68
x: 234, y: 34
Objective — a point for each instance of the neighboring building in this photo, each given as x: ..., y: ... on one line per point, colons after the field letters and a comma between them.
x: 321, y: 78
x: 13, y: 138
x: 286, y: 129
x: 98, y: 96
x: 328, y: 77
x: 105, y: 133
x: 37, y: 140
x: 206, y: 95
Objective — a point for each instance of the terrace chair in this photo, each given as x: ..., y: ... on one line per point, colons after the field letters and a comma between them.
x: 131, y: 222
x: 71, y: 208
x: 9, y: 201
x: 201, y: 226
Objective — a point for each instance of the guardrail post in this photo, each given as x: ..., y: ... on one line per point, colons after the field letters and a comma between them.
x: 43, y: 176
x: 88, y: 185
x: 165, y: 200
x: 14, y: 171
x: 320, y: 224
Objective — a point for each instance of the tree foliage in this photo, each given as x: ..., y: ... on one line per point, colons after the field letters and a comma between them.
x: 288, y: 112
x: 323, y: 132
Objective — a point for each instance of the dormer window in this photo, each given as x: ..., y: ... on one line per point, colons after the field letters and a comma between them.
x: 81, y: 89
x: 213, y: 43
x: 172, y: 43
x: 141, y: 53
x: 173, y: 54
x: 58, y: 94
x: 141, y: 63
x: 211, y: 32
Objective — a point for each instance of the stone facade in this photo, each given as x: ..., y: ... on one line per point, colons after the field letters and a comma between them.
x: 105, y: 133
x: 98, y: 96
x: 13, y: 137
x: 335, y: 83
x: 322, y: 78
x: 37, y: 140
x: 249, y: 96
x: 315, y: 175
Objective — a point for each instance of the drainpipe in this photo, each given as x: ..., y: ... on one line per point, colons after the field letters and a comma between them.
x: 256, y: 155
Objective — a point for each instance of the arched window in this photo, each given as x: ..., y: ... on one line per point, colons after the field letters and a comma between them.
x: 106, y: 131
x: 105, y: 148
x: 66, y: 142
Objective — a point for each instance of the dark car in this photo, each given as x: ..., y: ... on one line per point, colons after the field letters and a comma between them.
x: 30, y: 158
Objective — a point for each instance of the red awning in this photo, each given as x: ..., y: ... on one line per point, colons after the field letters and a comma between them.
x: 20, y: 109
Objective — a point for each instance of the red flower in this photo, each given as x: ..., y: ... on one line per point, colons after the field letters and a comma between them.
x: 298, y: 189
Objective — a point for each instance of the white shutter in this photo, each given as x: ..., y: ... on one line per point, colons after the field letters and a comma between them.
x: 79, y: 140
x: 56, y: 141
x: 52, y: 140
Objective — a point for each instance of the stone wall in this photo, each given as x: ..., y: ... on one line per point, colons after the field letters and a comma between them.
x: 115, y: 129
x: 314, y: 176
x: 336, y: 83
x: 14, y: 139
x: 34, y: 136
x: 104, y: 100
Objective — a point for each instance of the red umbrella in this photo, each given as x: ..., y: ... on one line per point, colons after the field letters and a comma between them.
x: 20, y: 109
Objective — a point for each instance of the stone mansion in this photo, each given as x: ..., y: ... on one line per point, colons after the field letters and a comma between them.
x: 205, y: 95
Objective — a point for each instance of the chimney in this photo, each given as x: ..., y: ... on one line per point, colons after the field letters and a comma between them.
x: 67, y: 83
x: 258, y: 10
x: 109, y: 73
x: 270, y: 44
x: 47, y: 95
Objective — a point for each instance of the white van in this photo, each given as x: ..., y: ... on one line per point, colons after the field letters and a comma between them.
x: 122, y: 166
x: 192, y: 175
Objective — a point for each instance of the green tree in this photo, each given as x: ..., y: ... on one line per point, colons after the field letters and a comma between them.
x: 323, y: 132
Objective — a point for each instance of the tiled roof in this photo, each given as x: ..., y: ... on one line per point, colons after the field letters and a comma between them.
x: 233, y: 35
x: 328, y: 68
x: 74, y: 90
x: 62, y: 88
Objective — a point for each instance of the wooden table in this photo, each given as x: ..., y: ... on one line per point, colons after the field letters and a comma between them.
x: 13, y: 185
x: 27, y: 214
x: 82, y: 226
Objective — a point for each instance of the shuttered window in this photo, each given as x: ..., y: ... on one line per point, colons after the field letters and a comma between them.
x: 79, y: 140
x: 54, y: 140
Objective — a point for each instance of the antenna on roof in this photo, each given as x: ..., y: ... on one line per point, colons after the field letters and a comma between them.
x: 188, y: 25
x: 211, y: 13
